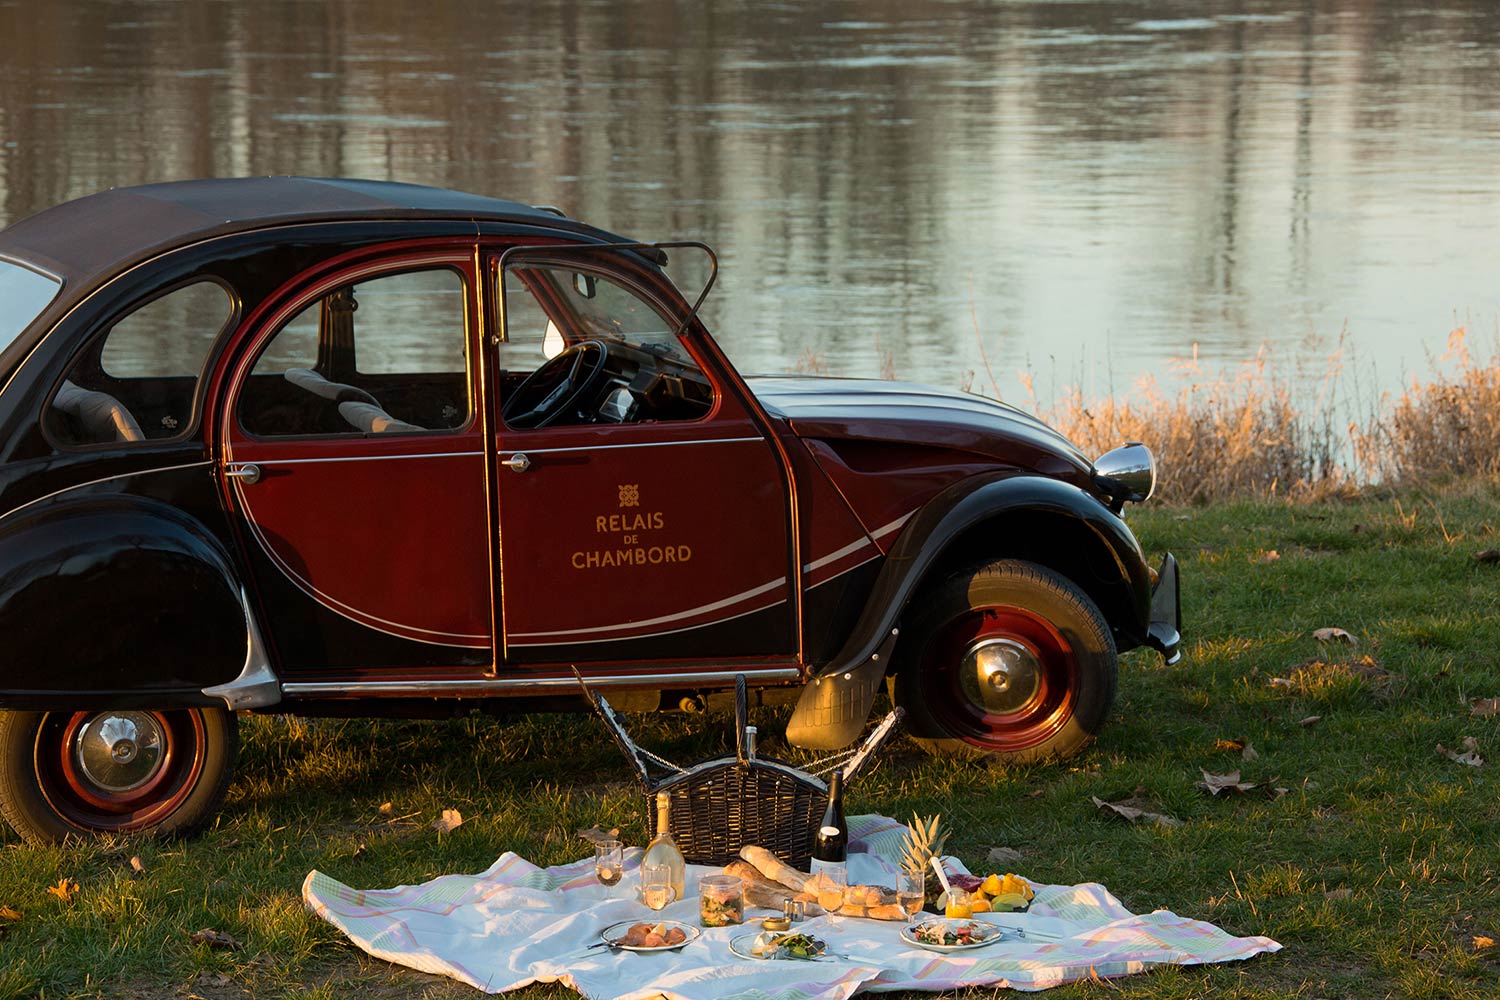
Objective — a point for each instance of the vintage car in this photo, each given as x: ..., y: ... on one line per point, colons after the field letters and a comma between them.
x: 335, y: 447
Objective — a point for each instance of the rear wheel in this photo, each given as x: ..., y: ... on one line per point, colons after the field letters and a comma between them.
x: 120, y: 771
x: 1008, y: 659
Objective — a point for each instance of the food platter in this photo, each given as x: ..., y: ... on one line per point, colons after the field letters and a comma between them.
x: 991, y: 933
x: 614, y: 935
x: 742, y: 945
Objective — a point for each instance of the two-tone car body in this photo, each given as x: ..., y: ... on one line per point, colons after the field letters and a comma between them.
x: 350, y: 447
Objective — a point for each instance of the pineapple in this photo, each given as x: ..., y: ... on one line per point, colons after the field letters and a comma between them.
x: 924, y: 841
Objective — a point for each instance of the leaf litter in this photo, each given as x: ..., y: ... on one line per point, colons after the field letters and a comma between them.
x: 1470, y: 756
x: 1135, y: 809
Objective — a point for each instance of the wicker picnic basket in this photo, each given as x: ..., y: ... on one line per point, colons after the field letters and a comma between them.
x: 723, y: 803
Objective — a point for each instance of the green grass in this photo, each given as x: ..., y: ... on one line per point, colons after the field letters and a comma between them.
x: 1371, y: 807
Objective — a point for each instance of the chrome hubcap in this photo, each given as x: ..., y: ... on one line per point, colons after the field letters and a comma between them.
x: 120, y: 751
x: 1000, y: 676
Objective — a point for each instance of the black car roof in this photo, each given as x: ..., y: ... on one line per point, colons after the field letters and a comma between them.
x: 102, y: 232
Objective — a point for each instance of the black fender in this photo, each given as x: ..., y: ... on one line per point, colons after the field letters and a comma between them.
x: 939, y: 536
x: 115, y: 601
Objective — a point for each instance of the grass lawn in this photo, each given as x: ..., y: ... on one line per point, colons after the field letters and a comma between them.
x: 1377, y: 869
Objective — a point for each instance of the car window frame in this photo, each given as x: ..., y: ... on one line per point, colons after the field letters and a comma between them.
x: 677, y: 329
x: 366, y: 270
x: 96, y: 338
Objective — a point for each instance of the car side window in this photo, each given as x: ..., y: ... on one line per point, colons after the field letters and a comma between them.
x: 580, y: 347
x: 386, y: 355
x: 138, y: 380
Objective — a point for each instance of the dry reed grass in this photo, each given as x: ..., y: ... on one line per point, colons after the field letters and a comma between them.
x: 1437, y: 430
x: 1216, y: 437
x: 1248, y: 434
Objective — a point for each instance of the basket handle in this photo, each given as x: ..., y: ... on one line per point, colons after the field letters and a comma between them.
x: 872, y: 742
x: 741, y: 718
x: 616, y: 731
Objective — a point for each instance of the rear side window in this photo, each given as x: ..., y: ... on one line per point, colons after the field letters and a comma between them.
x: 386, y: 355
x: 137, y: 382
x: 24, y: 293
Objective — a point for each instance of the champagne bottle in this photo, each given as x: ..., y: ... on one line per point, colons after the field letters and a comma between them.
x: 831, y: 843
x: 663, y: 849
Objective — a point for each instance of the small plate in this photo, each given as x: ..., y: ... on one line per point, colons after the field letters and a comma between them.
x: 908, y: 934
x: 741, y: 944
x: 613, y: 934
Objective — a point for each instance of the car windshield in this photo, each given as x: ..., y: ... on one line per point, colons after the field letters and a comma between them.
x: 24, y: 293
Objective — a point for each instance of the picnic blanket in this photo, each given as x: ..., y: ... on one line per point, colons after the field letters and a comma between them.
x: 516, y: 924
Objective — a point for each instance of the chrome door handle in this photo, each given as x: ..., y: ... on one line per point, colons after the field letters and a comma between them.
x: 517, y: 462
x: 248, y: 473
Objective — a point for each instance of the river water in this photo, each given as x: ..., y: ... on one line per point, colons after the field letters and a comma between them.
x: 1086, y: 192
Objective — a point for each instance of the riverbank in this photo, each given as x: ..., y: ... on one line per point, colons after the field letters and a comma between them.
x: 1375, y: 867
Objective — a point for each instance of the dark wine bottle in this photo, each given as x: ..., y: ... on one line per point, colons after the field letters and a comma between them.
x: 831, y: 843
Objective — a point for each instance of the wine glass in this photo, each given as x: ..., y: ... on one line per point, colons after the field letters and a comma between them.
x: 657, y: 890
x: 911, y: 890
x: 609, y: 863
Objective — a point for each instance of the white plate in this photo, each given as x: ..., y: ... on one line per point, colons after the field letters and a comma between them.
x: 740, y: 945
x: 612, y: 935
x: 908, y: 935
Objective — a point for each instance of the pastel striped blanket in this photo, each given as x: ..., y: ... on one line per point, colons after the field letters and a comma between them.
x: 516, y: 924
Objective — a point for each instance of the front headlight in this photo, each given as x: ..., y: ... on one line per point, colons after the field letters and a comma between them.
x: 1127, y: 474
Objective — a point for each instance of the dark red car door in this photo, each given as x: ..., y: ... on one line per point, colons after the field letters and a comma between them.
x: 642, y: 528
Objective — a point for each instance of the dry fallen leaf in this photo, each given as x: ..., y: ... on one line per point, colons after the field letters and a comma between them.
x: 1334, y: 895
x: 450, y: 820
x: 1233, y: 746
x: 1334, y: 635
x: 214, y: 939
x: 7, y: 913
x: 1035, y: 793
x: 1311, y: 720
x: 1003, y: 855
x: 1485, y: 708
x: 1131, y: 813
x: 1213, y: 784
x: 1248, y: 753
x: 1481, y: 942
x: 595, y: 834
x: 1470, y: 756
x: 1487, y: 556
x: 1268, y: 556
x: 386, y: 809
x: 65, y: 889
x: 136, y: 865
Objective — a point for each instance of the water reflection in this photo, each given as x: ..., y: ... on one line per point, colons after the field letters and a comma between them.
x: 1092, y: 187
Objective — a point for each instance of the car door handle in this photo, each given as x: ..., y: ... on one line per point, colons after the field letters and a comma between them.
x: 517, y: 462
x: 247, y: 473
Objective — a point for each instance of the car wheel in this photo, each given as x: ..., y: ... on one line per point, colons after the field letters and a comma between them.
x: 120, y: 771
x: 1008, y: 659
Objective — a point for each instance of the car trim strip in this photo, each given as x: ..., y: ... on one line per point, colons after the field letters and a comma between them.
x: 857, y: 544
x: 638, y: 444
x: 368, y: 458
x: 526, y: 684
x: 664, y: 619
x: 104, y: 479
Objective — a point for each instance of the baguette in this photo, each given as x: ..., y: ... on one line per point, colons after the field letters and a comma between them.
x: 774, y: 868
x: 762, y: 892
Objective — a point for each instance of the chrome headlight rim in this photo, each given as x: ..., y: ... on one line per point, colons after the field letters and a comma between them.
x: 1127, y: 474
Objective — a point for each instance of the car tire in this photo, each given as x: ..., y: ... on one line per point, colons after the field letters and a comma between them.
x: 136, y: 771
x: 1007, y: 659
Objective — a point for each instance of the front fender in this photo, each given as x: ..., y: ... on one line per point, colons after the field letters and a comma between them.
x: 975, y: 511
x: 115, y: 601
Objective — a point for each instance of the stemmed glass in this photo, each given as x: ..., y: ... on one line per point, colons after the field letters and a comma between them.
x: 609, y: 863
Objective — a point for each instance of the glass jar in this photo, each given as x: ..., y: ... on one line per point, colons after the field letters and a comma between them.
x: 721, y: 900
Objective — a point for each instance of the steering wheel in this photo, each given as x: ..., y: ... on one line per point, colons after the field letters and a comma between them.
x: 552, y: 389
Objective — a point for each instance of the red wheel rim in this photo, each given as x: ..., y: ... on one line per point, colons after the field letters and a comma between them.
x: 1001, y: 678
x: 118, y: 771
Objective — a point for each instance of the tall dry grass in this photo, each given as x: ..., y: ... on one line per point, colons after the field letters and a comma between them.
x: 1248, y: 434
x: 1445, y: 428
x: 1215, y: 437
